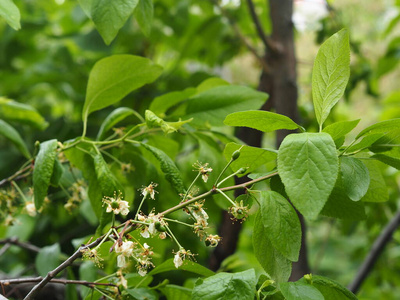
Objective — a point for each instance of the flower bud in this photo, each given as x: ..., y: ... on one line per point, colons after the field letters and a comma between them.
x: 235, y: 155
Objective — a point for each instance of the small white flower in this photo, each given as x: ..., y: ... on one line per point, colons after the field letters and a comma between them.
x: 142, y: 272
x: 121, y: 261
x: 30, y: 208
x: 116, y: 204
x: 178, y: 260
x: 145, y: 232
x: 203, y: 169
x: 149, y: 190
x: 125, y: 249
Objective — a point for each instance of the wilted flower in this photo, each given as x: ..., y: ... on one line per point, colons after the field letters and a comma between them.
x: 204, y: 170
x: 212, y: 240
x: 124, y: 250
x: 93, y: 255
x: 116, y: 204
x: 30, y: 208
x: 181, y: 255
x: 239, y: 211
x: 149, y: 190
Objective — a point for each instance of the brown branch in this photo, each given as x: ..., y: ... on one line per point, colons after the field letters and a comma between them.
x: 78, y: 253
x: 268, y: 43
x: 373, y: 255
x: 17, y: 176
x: 242, y: 38
x: 16, y: 242
x: 7, y: 282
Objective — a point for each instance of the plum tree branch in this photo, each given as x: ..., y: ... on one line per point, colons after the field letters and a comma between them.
x: 376, y: 251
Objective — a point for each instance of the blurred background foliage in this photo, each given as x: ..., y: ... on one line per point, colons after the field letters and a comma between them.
x: 46, y: 65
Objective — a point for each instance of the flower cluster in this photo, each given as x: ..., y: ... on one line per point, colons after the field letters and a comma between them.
x: 203, y: 169
x: 141, y: 253
x: 239, y: 211
x: 149, y: 190
x: 116, y: 204
x: 181, y: 255
x: 77, y: 194
x: 200, y: 216
x: 154, y: 225
x: 212, y: 240
x: 92, y: 254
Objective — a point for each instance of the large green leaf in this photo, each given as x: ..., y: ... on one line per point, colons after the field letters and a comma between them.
x: 44, y: 166
x: 264, y: 121
x: 365, y: 143
x: 338, y: 130
x: 171, y: 172
x: 282, y: 224
x: 355, y: 177
x: 10, y: 12
x: 162, y: 103
x: 300, y: 290
x: 48, y: 259
x: 377, y: 190
x: 390, y: 161
x: 340, y: 206
x: 10, y: 133
x: 330, y: 74
x: 308, y: 166
x: 113, y: 118
x: 144, y: 15
x: 274, y: 263
x: 226, y: 286
x: 331, y: 290
x: 113, y: 77
x: 212, y: 106
x: 173, y: 292
x: 110, y: 16
x: 187, y: 265
x: 22, y: 113
x: 250, y: 157
x: 381, y: 127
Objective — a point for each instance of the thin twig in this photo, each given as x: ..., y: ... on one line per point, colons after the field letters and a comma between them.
x: 261, y: 33
x: 7, y: 282
x: 16, y: 242
x: 17, y: 176
x: 242, y: 37
x: 78, y: 253
x: 373, y: 255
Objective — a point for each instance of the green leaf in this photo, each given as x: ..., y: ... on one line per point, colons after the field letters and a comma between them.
x: 144, y: 15
x: 274, y: 263
x: 212, y: 106
x: 300, y: 290
x: 331, y: 290
x: 10, y: 133
x: 210, y: 83
x: 167, y: 127
x: 10, y: 12
x: 58, y: 171
x: 264, y: 121
x: 388, y: 160
x: 308, y: 166
x: 171, y: 172
x: 381, y: 127
x: 22, y: 113
x: 173, y: 292
x: 44, y: 166
x: 187, y: 265
x: 330, y: 74
x: 143, y: 293
x: 339, y: 129
x: 355, y: 177
x: 116, y: 116
x: 48, y: 259
x: 281, y: 223
x: 226, y: 286
x: 377, y: 191
x: 86, y: 6
x: 250, y: 157
x: 110, y: 16
x: 365, y: 143
x: 340, y: 206
x: 162, y: 103
x: 113, y: 77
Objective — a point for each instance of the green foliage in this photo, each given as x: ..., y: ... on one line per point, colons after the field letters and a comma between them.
x: 330, y: 74
x: 10, y: 12
x: 239, y: 285
x: 43, y: 171
x: 48, y: 259
x: 308, y: 165
x: 144, y: 15
x: 11, y: 134
x: 300, y: 290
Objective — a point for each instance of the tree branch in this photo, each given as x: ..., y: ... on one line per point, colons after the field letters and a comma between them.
x: 15, y: 241
x: 376, y: 250
x: 78, y: 253
x: 18, y: 175
x: 268, y: 43
x: 242, y: 37
x: 7, y: 282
